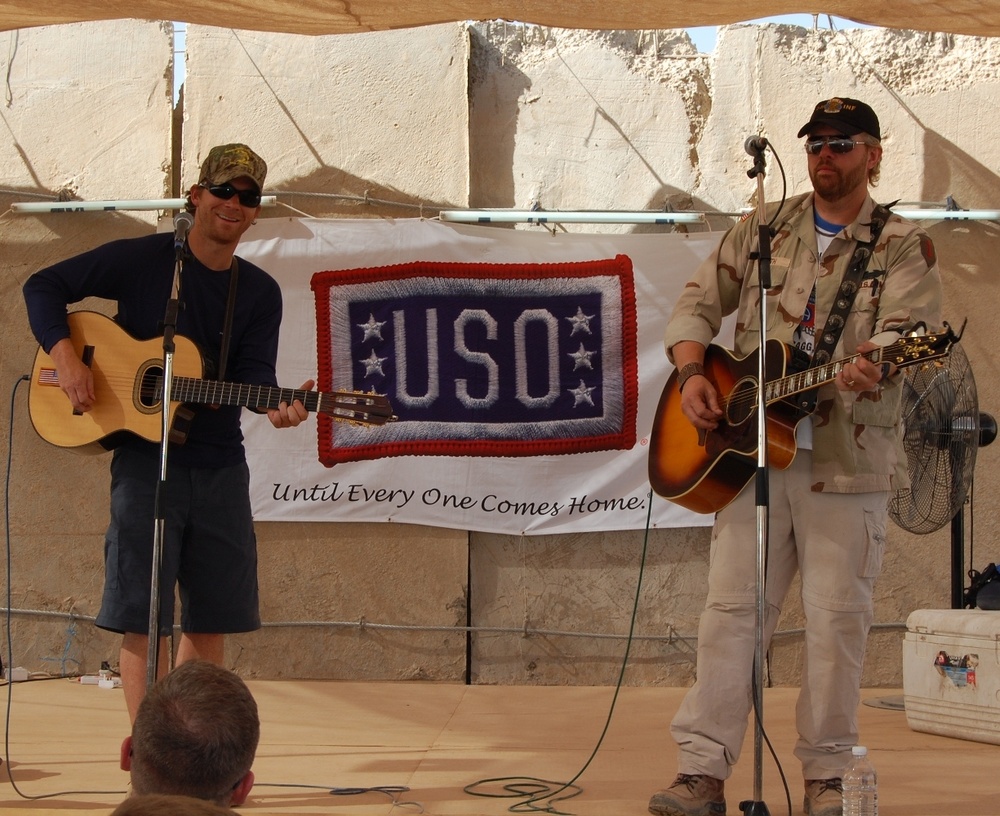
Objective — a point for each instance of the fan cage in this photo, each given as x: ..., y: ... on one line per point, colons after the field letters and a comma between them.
x: 940, y: 418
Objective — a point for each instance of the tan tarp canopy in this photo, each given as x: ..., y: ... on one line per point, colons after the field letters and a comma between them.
x: 975, y: 17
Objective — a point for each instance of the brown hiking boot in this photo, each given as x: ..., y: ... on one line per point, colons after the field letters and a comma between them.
x: 690, y: 795
x: 824, y: 797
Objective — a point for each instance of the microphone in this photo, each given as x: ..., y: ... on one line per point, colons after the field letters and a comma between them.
x: 755, y: 144
x: 183, y: 222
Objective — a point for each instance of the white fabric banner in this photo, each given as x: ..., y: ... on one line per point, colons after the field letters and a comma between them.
x: 524, y: 367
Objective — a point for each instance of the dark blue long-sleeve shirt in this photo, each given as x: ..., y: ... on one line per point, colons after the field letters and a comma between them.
x: 138, y: 274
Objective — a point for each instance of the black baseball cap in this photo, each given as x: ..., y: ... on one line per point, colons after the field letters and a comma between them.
x: 850, y: 116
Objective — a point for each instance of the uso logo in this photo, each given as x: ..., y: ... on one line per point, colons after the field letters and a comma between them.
x: 481, y: 359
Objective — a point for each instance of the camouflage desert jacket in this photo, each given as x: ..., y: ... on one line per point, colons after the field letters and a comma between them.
x: 856, y: 437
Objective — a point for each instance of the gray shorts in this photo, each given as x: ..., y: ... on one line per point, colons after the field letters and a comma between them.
x: 209, y: 550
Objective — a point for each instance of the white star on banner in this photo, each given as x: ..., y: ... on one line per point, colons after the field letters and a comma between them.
x: 581, y: 358
x: 580, y: 321
x: 373, y: 364
x: 373, y: 328
x: 581, y: 394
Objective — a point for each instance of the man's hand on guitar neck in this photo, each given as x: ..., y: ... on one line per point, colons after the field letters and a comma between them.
x: 699, y: 398
x: 861, y: 374
x: 76, y: 380
x: 289, y: 416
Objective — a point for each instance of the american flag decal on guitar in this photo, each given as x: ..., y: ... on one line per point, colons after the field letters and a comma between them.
x: 47, y: 376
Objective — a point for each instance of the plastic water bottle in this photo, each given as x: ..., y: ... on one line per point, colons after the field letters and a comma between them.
x: 860, y: 783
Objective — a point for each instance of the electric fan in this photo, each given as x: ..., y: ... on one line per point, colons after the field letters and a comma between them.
x: 942, y: 431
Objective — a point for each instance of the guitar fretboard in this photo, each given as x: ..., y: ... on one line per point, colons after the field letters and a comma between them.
x: 813, y: 377
x: 213, y: 392
x: 354, y: 407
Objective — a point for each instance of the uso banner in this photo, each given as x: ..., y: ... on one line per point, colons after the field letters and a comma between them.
x: 522, y: 369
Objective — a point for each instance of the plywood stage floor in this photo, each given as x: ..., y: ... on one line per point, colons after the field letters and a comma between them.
x: 366, y: 741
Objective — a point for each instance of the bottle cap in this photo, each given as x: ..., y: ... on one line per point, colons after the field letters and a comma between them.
x: 859, y: 751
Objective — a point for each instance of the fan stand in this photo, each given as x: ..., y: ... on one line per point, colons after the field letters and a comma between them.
x: 958, y: 559
x: 987, y: 433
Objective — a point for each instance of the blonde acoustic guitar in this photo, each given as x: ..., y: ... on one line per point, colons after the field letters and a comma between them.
x: 128, y: 384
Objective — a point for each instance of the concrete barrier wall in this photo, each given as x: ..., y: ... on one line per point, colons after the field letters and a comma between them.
x: 492, y: 115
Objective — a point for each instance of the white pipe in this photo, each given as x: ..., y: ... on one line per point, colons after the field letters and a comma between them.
x: 570, y: 217
x: 90, y: 206
x: 489, y: 216
x: 647, y: 217
x: 949, y: 215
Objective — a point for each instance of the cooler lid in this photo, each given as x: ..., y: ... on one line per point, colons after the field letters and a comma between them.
x: 975, y: 623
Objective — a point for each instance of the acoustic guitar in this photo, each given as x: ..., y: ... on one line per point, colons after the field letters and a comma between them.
x: 705, y: 470
x: 128, y: 385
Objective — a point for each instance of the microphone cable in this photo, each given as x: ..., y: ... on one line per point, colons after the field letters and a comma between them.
x: 540, y: 795
x: 10, y: 645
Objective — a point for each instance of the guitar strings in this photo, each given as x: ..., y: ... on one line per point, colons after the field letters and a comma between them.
x: 746, y: 399
x: 147, y: 390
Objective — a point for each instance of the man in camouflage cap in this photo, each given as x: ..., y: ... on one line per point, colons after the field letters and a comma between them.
x: 209, y: 547
x: 827, y: 512
x: 229, y: 188
x: 227, y: 162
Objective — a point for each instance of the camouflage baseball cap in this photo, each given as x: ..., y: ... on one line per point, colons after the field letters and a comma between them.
x: 229, y: 161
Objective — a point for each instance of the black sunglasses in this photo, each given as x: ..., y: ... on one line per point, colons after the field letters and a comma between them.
x: 837, y: 144
x: 248, y: 198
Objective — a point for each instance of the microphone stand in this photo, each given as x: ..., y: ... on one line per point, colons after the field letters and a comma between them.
x: 755, y: 147
x: 159, y: 518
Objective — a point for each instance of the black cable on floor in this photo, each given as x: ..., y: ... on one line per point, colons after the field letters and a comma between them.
x: 392, y: 791
x: 10, y: 646
x: 540, y: 795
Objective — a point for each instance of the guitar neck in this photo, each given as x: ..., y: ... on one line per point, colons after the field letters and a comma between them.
x: 260, y: 397
x: 813, y: 377
x: 350, y: 406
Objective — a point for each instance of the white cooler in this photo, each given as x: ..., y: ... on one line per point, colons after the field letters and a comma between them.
x: 951, y: 673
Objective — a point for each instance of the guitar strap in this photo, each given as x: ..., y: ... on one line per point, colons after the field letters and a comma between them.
x: 183, y: 415
x: 227, y: 328
x: 849, y: 287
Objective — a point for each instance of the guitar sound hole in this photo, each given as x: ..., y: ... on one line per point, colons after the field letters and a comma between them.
x: 148, y: 388
x: 742, y: 401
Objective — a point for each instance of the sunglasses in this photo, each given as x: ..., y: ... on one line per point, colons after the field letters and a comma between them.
x: 248, y: 198
x: 837, y: 144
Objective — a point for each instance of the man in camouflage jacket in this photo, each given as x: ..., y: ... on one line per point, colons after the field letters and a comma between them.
x: 827, y: 512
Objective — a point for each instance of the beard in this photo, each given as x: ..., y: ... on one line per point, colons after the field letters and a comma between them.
x: 837, y: 184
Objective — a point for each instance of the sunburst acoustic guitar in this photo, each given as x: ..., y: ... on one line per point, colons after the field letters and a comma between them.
x: 705, y: 470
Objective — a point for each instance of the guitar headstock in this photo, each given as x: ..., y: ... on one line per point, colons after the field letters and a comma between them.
x: 916, y: 348
x: 357, y: 407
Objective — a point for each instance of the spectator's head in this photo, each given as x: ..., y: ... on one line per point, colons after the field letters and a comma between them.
x: 195, y: 734
x: 156, y: 804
